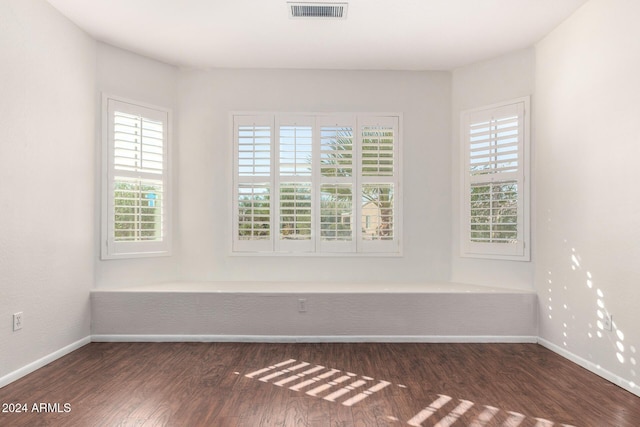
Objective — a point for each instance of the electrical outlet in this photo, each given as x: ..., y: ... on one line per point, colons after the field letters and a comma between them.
x: 608, y: 322
x: 17, y: 321
x: 302, y: 305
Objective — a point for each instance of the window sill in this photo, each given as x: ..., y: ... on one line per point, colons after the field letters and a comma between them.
x: 318, y: 254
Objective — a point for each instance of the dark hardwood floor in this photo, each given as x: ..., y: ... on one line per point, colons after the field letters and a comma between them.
x: 250, y: 384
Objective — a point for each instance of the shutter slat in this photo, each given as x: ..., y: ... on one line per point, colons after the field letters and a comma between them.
x: 138, y: 144
x: 493, y: 168
x: 493, y: 146
x: 336, y: 151
x: 254, y: 211
x: 377, y: 212
x: 296, y: 148
x: 295, y: 211
x: 494, y: 212
x: 378, y: 151
x: 336, y: 212
x: 491, y: 128
x: 254, y: 150
x: 138, y: 210
x: 511, y: 144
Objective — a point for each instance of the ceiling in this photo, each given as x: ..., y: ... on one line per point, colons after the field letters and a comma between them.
x: 376, y: 35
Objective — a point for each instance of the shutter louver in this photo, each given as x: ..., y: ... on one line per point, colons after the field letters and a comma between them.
x: 493, y: 146
x: 138, y: 144
x: 295, y: 211
x: 254, y: 150
x: 254, y: 211
x: 336, y: 151
x: 336, y: 212
x: 138, y: 205
x: 494, y: 212
x: 295, y: 150
x: 377, y: 151
x: 377, y: 212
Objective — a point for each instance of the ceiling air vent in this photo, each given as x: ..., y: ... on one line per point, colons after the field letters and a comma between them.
x: 328, y: 10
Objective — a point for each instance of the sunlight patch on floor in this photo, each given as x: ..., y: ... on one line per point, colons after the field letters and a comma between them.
x: 350, y: 393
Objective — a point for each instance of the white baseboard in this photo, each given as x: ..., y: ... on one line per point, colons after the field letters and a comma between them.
x: 596, y: 369
x: 314, y: 338
x: 25, y: 370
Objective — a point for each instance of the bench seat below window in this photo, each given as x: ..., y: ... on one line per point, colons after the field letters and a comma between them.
x: 304, y: 311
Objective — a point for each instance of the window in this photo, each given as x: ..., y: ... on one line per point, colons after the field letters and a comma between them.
x: 136, y: 193
x: 495, y: 207
x: 300, y: 182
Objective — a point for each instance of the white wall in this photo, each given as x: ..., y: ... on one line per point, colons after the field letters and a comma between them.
x: 588, y: 209
x: 205, y: 147
x: 488, y: 82
x: 47, y: 107
x: 127, y: 75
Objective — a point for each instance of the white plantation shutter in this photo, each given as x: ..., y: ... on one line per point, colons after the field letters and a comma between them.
x: 495, y: 202
x: 254, y: 187
x: 294, y: 144
x: 308, y: 183
x: 379, y: 170
x: 336, y: 136
x: 136, y: 190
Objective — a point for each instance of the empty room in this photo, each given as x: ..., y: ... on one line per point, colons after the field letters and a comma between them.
x: 340, y: 213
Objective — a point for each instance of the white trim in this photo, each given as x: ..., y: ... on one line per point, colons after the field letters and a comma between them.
x: 318, y: 338
x: 593, y: 367
x: 27, y: 369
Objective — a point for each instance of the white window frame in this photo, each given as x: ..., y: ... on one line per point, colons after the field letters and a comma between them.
x: 110, y: 247
x: 316, y: 246
x: 519, y: 249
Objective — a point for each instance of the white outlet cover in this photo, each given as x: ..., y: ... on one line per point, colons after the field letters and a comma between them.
x: 17, y: 321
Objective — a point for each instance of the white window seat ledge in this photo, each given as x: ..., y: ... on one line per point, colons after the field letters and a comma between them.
x: 266, y: 287
x: 340, y: 312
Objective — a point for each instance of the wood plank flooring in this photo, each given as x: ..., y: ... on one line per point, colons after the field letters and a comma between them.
x: 319, y: 385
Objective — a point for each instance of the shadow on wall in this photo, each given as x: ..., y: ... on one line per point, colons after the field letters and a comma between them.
x: 556, y: 307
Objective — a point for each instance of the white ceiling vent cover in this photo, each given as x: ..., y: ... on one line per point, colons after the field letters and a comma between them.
x: 327, y: 10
